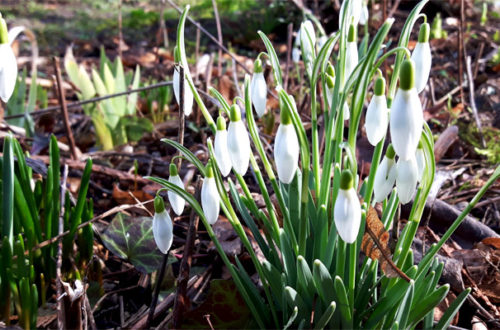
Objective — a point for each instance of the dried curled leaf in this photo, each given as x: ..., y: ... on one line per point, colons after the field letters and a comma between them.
x: 374, y: 245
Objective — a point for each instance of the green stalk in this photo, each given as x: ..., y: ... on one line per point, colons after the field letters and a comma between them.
x: 8, y: 191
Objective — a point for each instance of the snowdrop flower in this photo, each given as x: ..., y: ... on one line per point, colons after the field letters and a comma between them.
x: 210, y: 198
x: 295, y: 49
x: 188, y: 94
x: 286, y: 148
x: 220, y: 145
x: 238, y: 142
x: 406, y: 117
x: 377, y: 114
x: 406, y: 178
x: 347, y: 210
x: 363, y: 18
x: 420, y: 159
x: 258, y: 89
x: 8, y: 64
x: 351, y: 59
x: 162, y: 226
x: 422, y: 57
x: 330, y: 85
x: 307, y: 38
x: 385, y: 176
x: 355, y: 11
x: 175, y: 200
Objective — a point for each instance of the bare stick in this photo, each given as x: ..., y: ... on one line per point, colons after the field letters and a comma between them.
x: 163, y: 28
x: 62, y: 103
x: 460, y: 41
x: 470, y: 78
x: 219, y: 36
x: 120, y: 32
x: 288, y: 52
x: 197, y: 56
x: 110, y: 96
x: 181, y: 299
x: 157, y: 291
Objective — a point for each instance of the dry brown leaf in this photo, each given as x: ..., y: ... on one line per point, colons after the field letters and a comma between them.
x: 374, y: 245
x: 493, y: 241
x: 226, y: 87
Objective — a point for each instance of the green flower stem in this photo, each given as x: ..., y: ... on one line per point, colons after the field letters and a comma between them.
x: 403, y: 42
x: 314, y: 133
x: 199, y: 101
x: 265, y: 194
x: 377, y: 154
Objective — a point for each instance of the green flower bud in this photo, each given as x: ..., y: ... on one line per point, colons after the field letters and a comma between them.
x: 4, y: 32
x: 257, y: 66
x: 407, y: 75
x: 159, y: 204
x: 221, y: 123
x: 330, y: 70
x: 173, y: 169
x: 390, y: 153
x: 423, y: 34
x: 346, y: 180
x: 380, y: 86
x: 235, y: 113
x: 351, y: 37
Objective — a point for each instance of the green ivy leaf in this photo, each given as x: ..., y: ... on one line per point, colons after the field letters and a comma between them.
x: 131, y: 238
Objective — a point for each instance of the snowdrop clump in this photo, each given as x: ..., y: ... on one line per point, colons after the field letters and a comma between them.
x: 315, y: 197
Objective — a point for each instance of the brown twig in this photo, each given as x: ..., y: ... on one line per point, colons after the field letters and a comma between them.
x: 219, y: 36
x: 460, y: 41
x: 197, y: 55
x: 288, y: 54
x: 181, y: 304
x: 156, y: 292
x: 385, y: 255
x: 394, y: 8
x: 163, y: 27
x: 120, y: 32
x: 110, y: 96
x: 62, y: 103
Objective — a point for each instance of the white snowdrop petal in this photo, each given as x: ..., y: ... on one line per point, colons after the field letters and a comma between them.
x: 295, y: 55
x: 221, y: 152
x: 406, y: 179
x: 163, y: 231
x: 377, y: 119
x: 384, y: 179
x: 351, y: 59
x: 363, y: 18
x: 210, y: 200
x: 406, y: 121
x: 423, y: 61
x: 286, y: 152
x: 188, y: 94
x: 258, y: 90
x: 347, y: 113
x: 238, y: 145
x: 420, y: 159
x: 354, y: 12
x: 176, y: 201
x: 347, y: 214
x: 8, y: 72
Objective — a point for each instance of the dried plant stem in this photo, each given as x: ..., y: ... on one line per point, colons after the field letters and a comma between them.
x: 156, y: 291
x: 61, y: 319
x: 181, y: 112
x: 62, y: 103
x: 219, y: 36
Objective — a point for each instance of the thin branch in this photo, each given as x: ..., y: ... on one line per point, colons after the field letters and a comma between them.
x: 181, y: 112
x: 470, y: 78
x: 61, y: 319
x: 288, y: 52
x: 219, y: 36
x: 62, y: 103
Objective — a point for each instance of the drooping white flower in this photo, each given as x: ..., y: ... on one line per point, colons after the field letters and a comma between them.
x: 8, y: 64
x: 347, y: 113
x: 347, y: 210
x: 377, y: 114
x: 307, y: 37
x: 162, y: 226
x: 354, y: 12
x: 406, y: 118
x: 258, y: 89
x: 286, y: 149
x: 188, y: 94
x: 351, y: 59
x: 238, y: 142
x: 363, y: 18
x: 406, y: 178
x: 385, y: 176
x: 175, y: 200
x: 220, y: 146
x: 420, y: 159
x: 210, y: 198
x: 295, y: 49
x: 422, y: 57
